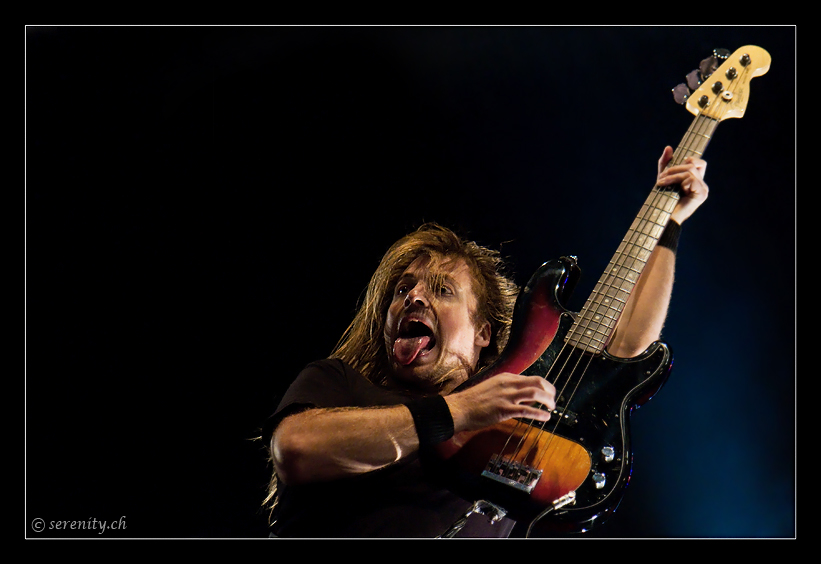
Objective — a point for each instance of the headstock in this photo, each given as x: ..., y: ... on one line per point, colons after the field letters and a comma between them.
x: 721, y: 83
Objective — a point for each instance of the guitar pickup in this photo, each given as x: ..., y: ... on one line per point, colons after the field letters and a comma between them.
x: 511, y: 473
x: 564, y: 416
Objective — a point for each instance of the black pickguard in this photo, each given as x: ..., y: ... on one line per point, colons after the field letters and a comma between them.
x: 594, y: 411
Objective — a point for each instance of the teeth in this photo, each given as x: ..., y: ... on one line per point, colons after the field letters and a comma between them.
x: 414, y: 327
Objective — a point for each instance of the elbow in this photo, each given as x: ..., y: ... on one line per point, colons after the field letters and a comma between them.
x: 631, y: 346
x: 627, y: 351
x: 289, y: 457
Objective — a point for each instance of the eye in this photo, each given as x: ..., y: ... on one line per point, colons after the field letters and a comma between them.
x: 444, y: 290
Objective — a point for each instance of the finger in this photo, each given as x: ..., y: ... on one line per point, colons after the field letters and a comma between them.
x: 538, y: 390
x: 688, y: 179
x: 697, y: 190
x: 693, y: 165
x: 701, y: 164
x: 534, y: 413
x: 672, y: 177
x: 522, y: 392
x: 666, y: 156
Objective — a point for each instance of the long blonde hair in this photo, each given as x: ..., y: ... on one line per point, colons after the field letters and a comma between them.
x: 363, y: 345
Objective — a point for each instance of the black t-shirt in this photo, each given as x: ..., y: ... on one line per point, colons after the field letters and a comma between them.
x: 403, y: 500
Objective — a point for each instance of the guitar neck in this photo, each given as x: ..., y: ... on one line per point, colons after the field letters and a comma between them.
x: 597, y: 320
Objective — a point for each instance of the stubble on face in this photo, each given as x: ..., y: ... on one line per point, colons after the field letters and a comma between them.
x: 452, y: 366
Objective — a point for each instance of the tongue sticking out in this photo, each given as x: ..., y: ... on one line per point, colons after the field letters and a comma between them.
x: 406, y: 349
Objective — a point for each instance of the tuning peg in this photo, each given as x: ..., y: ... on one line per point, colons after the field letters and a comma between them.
x: 707, y: 67
x: 711, y: 63
x: 693, y: 80
x: 681, y: 93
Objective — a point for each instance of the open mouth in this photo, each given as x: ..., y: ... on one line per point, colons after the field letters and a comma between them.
x: 414, y: 338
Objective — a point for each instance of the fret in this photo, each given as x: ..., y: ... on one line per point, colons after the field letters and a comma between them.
x: 697, y: 137
x: 648, y: 228
x: 601, y: 317
x: 653, y: 214
x: 603, y: 327
x: 697, y: 150
x: 624, y: 274
x: 593, y: 327
x: 590, y: 343
x: 643, y: 241
x: 636, y: 238
x: 663, y: 200
x: 636, y: 252
x: 704, y: 135
x: 611, y: 298
x: 604, y: 303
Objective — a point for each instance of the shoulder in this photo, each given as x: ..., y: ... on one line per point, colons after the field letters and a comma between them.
x: 329, y: 371
x: 320, y: 384
x: 332, y: 382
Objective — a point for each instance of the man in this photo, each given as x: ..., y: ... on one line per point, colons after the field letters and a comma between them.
x: 346, y: 439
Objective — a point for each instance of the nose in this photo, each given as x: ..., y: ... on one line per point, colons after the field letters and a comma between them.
x: 417, y: 296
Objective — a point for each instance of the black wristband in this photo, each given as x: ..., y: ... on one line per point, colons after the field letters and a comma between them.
x: 432, y: 418
x: 670, y: 235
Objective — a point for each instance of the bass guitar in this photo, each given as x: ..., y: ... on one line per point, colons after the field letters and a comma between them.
x: 570, y: 473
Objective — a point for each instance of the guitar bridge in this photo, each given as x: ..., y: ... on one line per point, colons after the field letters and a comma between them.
x: 511, y: 473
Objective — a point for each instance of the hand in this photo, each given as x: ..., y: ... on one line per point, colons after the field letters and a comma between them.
x: 690, y: 175
x: 499, y: 398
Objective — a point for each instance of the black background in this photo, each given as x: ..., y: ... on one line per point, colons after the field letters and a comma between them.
x: 205, y: 205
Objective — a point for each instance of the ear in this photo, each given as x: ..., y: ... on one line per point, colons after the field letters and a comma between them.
x: 483, y: 335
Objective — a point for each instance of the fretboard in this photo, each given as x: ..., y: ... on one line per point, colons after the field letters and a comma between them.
x: 597, y: 320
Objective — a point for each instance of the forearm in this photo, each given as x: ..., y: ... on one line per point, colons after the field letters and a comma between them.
x: 646, y: 310
x: 325, y: 444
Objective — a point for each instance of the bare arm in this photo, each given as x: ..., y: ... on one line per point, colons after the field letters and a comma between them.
x: 645, y: 312
x: 325, y: 444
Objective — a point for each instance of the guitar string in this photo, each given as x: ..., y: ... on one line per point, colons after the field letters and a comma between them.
x: 601, y: 288
x: 606, y: 283
x: 528, y: 428
x: 613, y: 278
x: 630, y: 243
x: 612, y: 286
x: 702, y: 127
x: 588, y: 315
x: 697, y: 130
